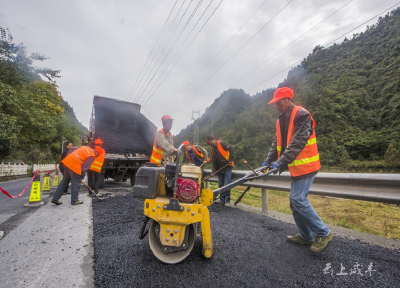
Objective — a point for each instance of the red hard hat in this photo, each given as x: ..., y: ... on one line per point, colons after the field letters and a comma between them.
x: 166, y: 117
x: 98, y: 142
x: 280, y: 93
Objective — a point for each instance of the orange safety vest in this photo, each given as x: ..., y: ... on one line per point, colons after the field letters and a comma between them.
x: 156, y: 156
x: 98, y: 161
x: 197, y: 152
x: 224, y: 153
x: 75, y: 159
x: 308, y: 159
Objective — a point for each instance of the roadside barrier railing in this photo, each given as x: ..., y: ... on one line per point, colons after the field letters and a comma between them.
x: 11, y: 169
x: 383, y: 188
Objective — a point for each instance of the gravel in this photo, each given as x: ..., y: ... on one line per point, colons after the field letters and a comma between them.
x: 250, y: 250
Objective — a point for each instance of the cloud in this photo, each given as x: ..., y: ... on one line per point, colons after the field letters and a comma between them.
x: 101, y: 46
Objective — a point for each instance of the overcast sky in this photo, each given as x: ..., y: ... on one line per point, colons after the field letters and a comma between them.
x: 101, y: 46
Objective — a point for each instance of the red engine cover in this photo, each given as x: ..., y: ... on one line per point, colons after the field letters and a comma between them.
x: 188, y: 190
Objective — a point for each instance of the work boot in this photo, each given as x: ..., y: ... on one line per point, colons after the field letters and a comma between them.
x: 228, y: 203
x: 89, y: 195
x: 57, y: 202
x: 298, y: 240
x: 77, y: 202
x: 320, y: 243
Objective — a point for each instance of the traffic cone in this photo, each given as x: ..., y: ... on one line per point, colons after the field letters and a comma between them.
x: 55, y: 181
x: 34, y: 199
x: 46, y: 183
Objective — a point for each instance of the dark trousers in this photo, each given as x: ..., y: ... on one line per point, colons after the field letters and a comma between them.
x: 62, y: 172
x: 225, y: 179
x: 75, y: 179
x: 96, y: 176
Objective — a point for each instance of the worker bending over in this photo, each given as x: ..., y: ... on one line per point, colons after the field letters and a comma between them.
x: 75, y: 166
x: 195, y: 154
x: 163, y: 147
x: 222, y: 155
x: 295, y: 148
x: 95, y: 169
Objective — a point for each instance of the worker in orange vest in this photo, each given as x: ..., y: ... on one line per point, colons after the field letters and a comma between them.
x: 163, y: 147
x: 75, y: 166
x: 195, y: 154
x: 295, y: 148
x: 223, y: 156
x: 94, y: 170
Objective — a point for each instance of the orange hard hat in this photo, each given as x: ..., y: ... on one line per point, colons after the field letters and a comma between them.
x: 280, y: 93
x: 166, y: 117
x: 98, y: 142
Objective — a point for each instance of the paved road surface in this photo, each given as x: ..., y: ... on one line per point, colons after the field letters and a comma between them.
x: 51, y: 246
x: 250, y: 250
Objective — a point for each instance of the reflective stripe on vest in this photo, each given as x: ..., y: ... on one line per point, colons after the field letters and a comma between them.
x: 98, y: 161
x: 157, y: 154
x: 75, y: 160
x: 308, y: 159
x: 224, y: 153
x: 197, y: 152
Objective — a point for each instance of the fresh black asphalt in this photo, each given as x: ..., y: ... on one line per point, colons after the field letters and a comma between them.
x: 250, y: 250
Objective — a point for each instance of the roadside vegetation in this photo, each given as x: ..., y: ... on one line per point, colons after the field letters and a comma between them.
x: 34, y: 118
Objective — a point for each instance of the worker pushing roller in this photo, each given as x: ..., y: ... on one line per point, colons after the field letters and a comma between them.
x: 163, y: 148
x: 295, y: 148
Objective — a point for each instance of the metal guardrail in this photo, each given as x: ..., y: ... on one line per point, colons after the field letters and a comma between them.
x: 370, y: 187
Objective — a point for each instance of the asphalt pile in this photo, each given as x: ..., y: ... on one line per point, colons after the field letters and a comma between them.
x: 120, y: 139
x: 250, y: 250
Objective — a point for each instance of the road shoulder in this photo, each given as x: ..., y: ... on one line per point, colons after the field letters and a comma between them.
x: 51, y: 248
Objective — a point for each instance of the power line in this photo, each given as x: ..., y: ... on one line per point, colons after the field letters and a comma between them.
x: 152, y: 48
x: 226, y: 44
x: 326, y: 45
x: 162, y: 73
x: 241, y: 47
x: 290, y: 44
x: 156, y: 52
x: 363, y: 24
x: 314, y: 43
x: 148, y: 82
x: 186, y: 48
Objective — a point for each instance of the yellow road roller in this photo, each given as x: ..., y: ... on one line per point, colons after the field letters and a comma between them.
x: 176, y: 202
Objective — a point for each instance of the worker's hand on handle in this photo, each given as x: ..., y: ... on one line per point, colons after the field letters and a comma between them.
x: 266, y: 164
x: 83, y: 182
x: 231, y: 163
x: 275, y: 165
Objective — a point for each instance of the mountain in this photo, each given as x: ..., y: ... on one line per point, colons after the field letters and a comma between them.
x: 352, y: 90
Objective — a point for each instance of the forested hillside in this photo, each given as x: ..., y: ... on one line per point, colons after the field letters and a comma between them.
x: 352, y: 90
x: 33, y: 115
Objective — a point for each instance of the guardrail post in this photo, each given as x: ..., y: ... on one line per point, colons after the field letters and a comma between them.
x: 264, y: 200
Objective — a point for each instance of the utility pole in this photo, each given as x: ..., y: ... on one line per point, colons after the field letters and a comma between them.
x: 62, y: 144
x: 195, y: 117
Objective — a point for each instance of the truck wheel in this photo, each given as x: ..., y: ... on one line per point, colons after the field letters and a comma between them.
x: 124, y: 179
x: 101, y: 180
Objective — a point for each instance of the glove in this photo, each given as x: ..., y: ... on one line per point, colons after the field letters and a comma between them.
x: 83, y: 182
x: 275, y: 165
x: 266, y: 164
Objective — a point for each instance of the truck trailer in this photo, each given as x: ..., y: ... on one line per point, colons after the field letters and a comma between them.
x: 127, y: 134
